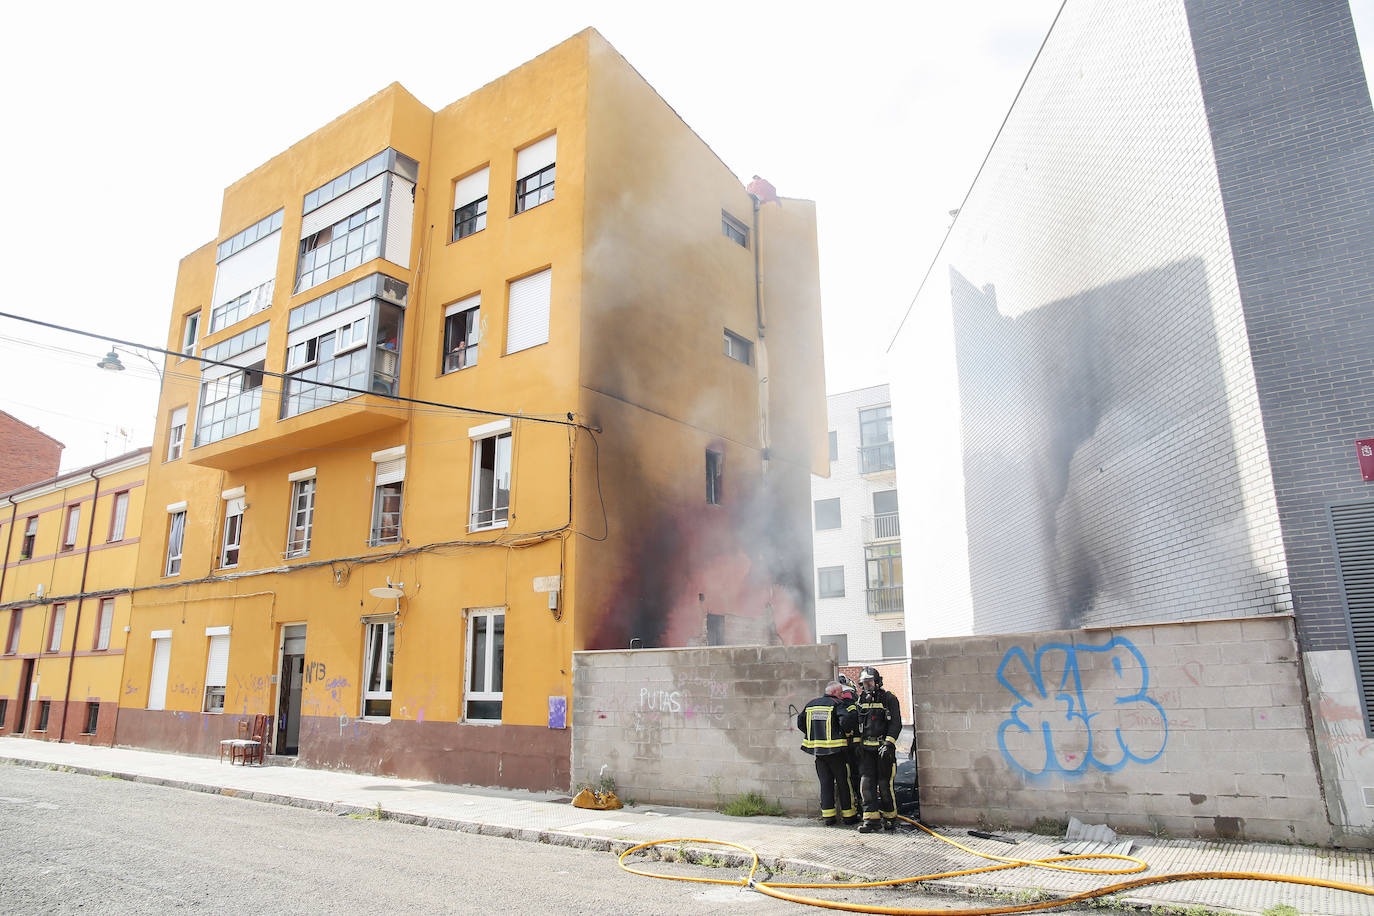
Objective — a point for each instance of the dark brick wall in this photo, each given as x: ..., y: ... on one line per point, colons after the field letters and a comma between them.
x: 1291, y: 125
x: 26, y: 455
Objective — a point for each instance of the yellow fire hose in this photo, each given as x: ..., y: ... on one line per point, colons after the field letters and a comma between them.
x: 1055, y: 862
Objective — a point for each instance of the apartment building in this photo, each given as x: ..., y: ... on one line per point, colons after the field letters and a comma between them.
x: 461, y: 392
x: 70, y: 547
x: 27, y: 454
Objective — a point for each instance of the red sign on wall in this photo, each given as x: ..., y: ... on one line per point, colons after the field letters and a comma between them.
x: 1365, y: 449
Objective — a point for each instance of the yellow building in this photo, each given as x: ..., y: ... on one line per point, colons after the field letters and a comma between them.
x: 69, y: 554
x: 576, y: 399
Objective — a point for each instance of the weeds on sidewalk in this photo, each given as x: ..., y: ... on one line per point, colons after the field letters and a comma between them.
x: 376, y: 814
x: 751, y: 804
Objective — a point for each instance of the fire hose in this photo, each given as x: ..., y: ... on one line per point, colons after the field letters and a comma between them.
x: 774, y: 888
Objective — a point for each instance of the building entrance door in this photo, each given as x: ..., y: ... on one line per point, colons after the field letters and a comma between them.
x: 289, y: 697
x: 25, y: 688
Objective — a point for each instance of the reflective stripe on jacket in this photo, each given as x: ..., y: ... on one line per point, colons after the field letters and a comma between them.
x: 820, y: 723
x: 880, y: 718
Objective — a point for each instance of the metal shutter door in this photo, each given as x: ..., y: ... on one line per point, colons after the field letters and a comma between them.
x: 357, y: 199
x: 527, y: 318
x: 1353, y: 529
x: 249, y: 269
x: 157, y: 683
x: 217, y: 666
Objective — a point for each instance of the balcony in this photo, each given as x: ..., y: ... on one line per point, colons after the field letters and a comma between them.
x: 885, y: 600
x: 886, y: 526
x: 874, y: 459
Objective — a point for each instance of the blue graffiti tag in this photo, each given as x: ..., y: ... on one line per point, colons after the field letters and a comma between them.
x: 1079, y: 707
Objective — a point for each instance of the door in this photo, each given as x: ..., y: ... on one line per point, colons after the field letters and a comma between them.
x: 157, y: 681
x: 25, y: 688
x: 292, y: 679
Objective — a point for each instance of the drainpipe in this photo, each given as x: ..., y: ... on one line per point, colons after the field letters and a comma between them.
x: 761, y: 360
x: 81, y: 599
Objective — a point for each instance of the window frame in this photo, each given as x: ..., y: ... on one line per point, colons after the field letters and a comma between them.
x: 15, y: 628
x: 233, y: 526
x: 119, y: 517
x: 176, y: 432
x: 834, y: 441
x: 30, y: 540
x: 92, y: 718
x: 715, y: 476
x: 883, y: 640
x: 546, y: 177
x: 841, y: 643
x: 383, y: 628
x: 467, y: 347
x: 190, y: 333
x: 468, y: 216
x: 104, y: 623
x: 300, y: 547
x: 215, y: 691
x: 738, y: 348
x: 57, y: 618
x: 381, y: 493
x: 176, y: 543
x: 71, y: 527
x: 493, y: 681
x: 816, y: 514
x: 735, y: 230
x: 826, y: 574
x: 498, y: 515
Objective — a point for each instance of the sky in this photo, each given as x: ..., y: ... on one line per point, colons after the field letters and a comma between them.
x: 128, y: 120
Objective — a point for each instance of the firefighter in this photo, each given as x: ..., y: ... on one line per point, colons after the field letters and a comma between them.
x: 824, y: 721
x: 849, y: 695
x: 880, y: 722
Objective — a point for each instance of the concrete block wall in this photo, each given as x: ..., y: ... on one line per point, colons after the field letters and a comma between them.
x: 698, y: 727
x: 1188, y: 729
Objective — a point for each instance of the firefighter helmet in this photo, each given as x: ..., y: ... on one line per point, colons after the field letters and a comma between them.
x: 871, y: 674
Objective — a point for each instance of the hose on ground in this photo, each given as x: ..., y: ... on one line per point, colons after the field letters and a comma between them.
x: 774, y: 888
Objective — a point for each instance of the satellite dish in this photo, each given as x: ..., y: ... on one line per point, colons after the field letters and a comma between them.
x: 388, y: 590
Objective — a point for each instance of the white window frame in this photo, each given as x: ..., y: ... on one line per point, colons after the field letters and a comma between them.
x: 468, y: 351
x: 176, y: 539
x: 492, y: 687
x: 59, y: 616
x: 388, y: 480
x: 73, y: 527
x: 495, y: 433
x: 216, y: 669
x: 383, y: 628
x: 232, y: 540
x: 472, y: 188
x: 190, y: 333
x: 176, y: 433
x: 300, y: 522
x: 739, y: 348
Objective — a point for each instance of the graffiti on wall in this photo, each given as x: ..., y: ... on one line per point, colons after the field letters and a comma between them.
x: 1078, y: 708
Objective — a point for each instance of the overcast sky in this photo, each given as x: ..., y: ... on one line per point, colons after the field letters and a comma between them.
x: 127, y: 120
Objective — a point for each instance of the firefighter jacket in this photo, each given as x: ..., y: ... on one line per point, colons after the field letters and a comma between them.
x: 825, y: 721
x: 880, y: 718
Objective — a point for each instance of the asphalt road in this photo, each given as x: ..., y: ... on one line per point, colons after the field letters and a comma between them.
x: 82, y: 844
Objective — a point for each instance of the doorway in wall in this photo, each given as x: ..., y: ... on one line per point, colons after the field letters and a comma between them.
x: 21, y: 725
x: 291, y: 680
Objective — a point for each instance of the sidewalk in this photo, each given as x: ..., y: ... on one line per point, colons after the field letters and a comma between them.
x: 793, y: 843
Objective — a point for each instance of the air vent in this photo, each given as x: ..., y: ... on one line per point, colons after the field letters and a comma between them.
x: 1369, y: 796
x: 1353, y: 529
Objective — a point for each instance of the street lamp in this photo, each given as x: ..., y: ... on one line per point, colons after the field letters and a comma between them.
x: 112, y: 363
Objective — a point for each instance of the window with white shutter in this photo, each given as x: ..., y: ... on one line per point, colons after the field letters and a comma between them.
x: 470, y: 203
x: 527, y: 318
x: 216, y: 673
x: 157, y: 680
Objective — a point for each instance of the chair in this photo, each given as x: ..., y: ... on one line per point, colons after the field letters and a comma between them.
x: 236, y: 746
x: 256, y: 748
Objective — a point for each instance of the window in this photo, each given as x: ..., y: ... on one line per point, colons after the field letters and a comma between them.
x: 534, y: 166
x: 834, y: 445
x: 59, y: 614
x: 229, y: 402
x: 176, y: 531
x: 884, y: 567
x: 738, y: 349
x: 30, y: 536
x: 103, y: 622
x: 715, y: 463
x: 486, y: 661
x: 44, y: 710
x: 216, y: 671
x: 341, y: 246
x: 894, y: 644
x: 162, y: 662
x: 527, y: 315
x: 470, y: 204
x: 246, y: 273
x: 491, y: 480
x: 92, y: 718
x: 190, y: 333
x: 830, y: 582
x: 12, y: 640
x: 344, y: 344
x: 377, y: 664
x: 841, y: 642
x: 887, y: 522
x: 242, y: 306
x: 176, y: 433
x: 302, y: 514
x: 233, y: 530
x: 388, y: 488
x: 461, y: 333
x: 827, y: 514
x: 4, y: 713
x: 875, y: 440
x: 734, y: 230
x: 70, y: 530
x: 119, y: 516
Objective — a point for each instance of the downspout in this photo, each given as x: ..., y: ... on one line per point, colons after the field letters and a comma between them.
x: 76, y: 627
x: 761, y: 362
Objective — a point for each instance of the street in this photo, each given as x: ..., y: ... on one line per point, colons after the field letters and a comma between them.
x: 78, y: 843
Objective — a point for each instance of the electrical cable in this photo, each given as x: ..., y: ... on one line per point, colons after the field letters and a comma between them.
x: 772, y: 888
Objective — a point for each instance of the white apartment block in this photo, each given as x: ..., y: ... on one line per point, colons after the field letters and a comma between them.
x: 857, y: 533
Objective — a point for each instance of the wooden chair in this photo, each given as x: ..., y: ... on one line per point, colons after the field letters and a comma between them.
x: 256, y: 748
x: 235, y: 746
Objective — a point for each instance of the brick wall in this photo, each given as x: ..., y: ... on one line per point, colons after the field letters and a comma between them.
x: 1293, y: 131
x: 26, y: 455
x: 1193, y: 729
x: 698, y: 727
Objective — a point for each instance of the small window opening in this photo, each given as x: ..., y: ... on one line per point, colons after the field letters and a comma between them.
x: 715, y: 465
